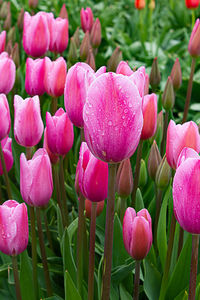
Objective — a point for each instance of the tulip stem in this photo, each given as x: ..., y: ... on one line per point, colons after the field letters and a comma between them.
x: 47, y: 230
x: 92, y: 252
x: 189, y: 91
x: 34, y: 251
x: 162, y: 148
x: 16, y: 277
x: 180, y: 242
x: 43, y: 253
x: 63, y: 192
x: 193, y: 268
x: 54, y: 105
x: 122, y: 208
x: 57, y: 182
x: 158, y: 206
x: 137, y: 280
x: 5, y: 173
x: 137, y: 172
x: 108, y: 244
x: 28, y: 153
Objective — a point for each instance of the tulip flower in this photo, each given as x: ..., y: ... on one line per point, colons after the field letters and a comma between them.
x: 2, y: 41
x: 137, y: 233
x: 185, y: 154
x: 63, y: 12
x: 54, y: 158
x: 28, y: 125
x: 113, y: 117
x: 60, y: 134
x: 88, y: 208
x: 178, y: 137
x: 86, y: 19
x: 95, y: 35
x: 150, y: 116
x: 36, y: 36
x: 7, y: 73
x: 6, y: 145
x: 36, y: 184
x: 55, y: 76
x: 34, y: 80
x: 59, y: 35
x: 139, y: 4
x: 192, y: 3
x: 13, y: 227
x: 124, y: 69
x: 33, y: 3
x: 5, y: 117
x: 194, y: 43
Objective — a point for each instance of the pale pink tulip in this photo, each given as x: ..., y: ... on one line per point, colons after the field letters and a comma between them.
x: 149, y: 116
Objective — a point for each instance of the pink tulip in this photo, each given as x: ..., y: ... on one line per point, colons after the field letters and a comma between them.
x: 55, y: 76
x: 88, y: 208
x: 186, y: 193
x: 79, y: 77
x: 93, y: 175
x: 6, y: 145
x: 194, y: 43
x: 178, y: 137
x: 54, y: 158
x: 34, y: 80
x: 100, y: 71
x: 150, y: 116
x: 138, y: 78
x: 124, y: 69
x: 36, y: 36
x: 13, y: 227
x: 2, y: 41
x: 185, y: 154
x: 137, y: 232
x: 28, y: 125
x: 113, y: 117
x: 86, y: 19
x: 60, y: 134
x: 5, y: 117
x: 95, y: 36
x: 59, y: 35
x: 7, y: 73
x: 36, y: 183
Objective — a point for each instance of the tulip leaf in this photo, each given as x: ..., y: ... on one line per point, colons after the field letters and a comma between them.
x: 59, y: 223
x: 121, y: 272
x: 152, y: 281
x: 26, y: 277
x: 124, y: 294
x: 71, y: 293
x: 139, y: 204
x: 72, y: 229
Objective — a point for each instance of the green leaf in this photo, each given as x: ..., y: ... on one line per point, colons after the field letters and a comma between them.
x: 124, y: 294
x: 26, y: 277
x: 59, y: 223
x: 71, y: 293
x: 72, y: 228
x: 152, y: 281
x: 139, y: 204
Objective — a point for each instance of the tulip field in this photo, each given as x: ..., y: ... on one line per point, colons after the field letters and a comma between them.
x: 99, y: 150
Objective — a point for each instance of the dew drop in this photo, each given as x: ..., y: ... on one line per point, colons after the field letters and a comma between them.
x: 126, y: 110
x: 109, y: 123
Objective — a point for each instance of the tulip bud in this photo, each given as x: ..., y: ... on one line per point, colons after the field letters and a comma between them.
x: 54, y: 158
x: 152, y: 5
x: 163, y: 174
x: 63, y: 12
x: 114, y: 60
x: 2, y: 41
x: 194, y: 43
x: 72, y: 55
x: 96, y: 34
x: 143, y: 174
x: 176, y: 75
x: 6, y: 145
x: 15, y: 54
x: 33, y: 3
x: 168, y: 96
x: 149, y: 116
x: 13, y: 228
x: 155, y: 77
x: 7, y: 73
x: 5, y: 10
x: 192, y: 3
x: 35, y: 73
x: 124, y: 179
x: 7, y: 22
x: 85, y: 46
x: 139, y: 4
x: 88, y: 208
x: 91, y: 60
x: 11, y: 35
x: 159, y: 131
x: 9, y: 48
x: 76, y: 37
x: 20, y: 19
x: 86, y: 19
x: 154, y: 160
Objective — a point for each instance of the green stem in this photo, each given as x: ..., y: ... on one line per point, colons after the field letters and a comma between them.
x: 158, y: 206
x: 108, y: 244
x: 57, y: 182
x: 189, y: 91
x: 122, y: 208
x: 81, y: 220
x: 193, y: 268
x: 47, y: 230
x: 137, y: 172
x: 137, y: 280
x: 63, y: 192
x: 180, y: 242
x: 16, y: 277
x: 5, y: 173
x: 92, y: 252
x: 34, y: 250
x: 172, y: 4
x: 54, y: 105
x: 162, y: 148
x: 43, y: 254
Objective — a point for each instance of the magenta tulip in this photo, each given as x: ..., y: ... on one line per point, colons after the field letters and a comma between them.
x: 54, y: 158
x: 5, y: 117
x: 13, y: 227
x: 178, y: 137
x: 34, y: 80
x: 150, y: 116
x: 2, y: 41
x: 7, y: 73
x: 59, y: 35
x: 36, y: 183
x: 86, y: 19
x: 113, y: 117
x: 6, y: 145
x: 28, y: 125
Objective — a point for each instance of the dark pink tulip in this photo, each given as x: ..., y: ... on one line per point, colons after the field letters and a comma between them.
x: 86, y: 19
x: 124, y: 69
x: 113, y: 117
x: 59, y: 35
x: 13, y: 227
x: 36, y: 183
x: 36, y: 36
x: 28, y: 125
x: 5, y: 117
x: 34, y: 80
x: 60, y: 134
x: 93, y: 175
x: 185, y: 154
x: 137, y: 232
x: 55, y: 76
x: 149, y: 116
x: 7, y: 73
x: 194, y: 43
x: 2, y: 41
x: 54, y: 158
x: 178, y: 137
x: 6, y: 145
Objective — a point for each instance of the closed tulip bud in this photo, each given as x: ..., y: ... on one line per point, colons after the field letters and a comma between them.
x: 60, y: 134
x: 15, y: 54
x: 54, y: 158
x: 155, y: 77
x: 91, y: 60
x: 72, y: 55
x: 163, y: 174
x: 6, y: 145
x: 149, y: 116
x: 2, y: 41
x: 168, y: 96
x: 143, y: 174
x: 178, y: 137
x: 154, y: 160
x: 5, y: 10
x: 176, y: 75
x: 59, y: 35
x: 5, y: 117
x: 76, y: 37
x: 7, y: 73
x: 86, y: 19
x: 124, y: 180
x: 20, y: 19
x: 85, y: 46
x: 55, y: 76
x: 192, y: 3
x: 113, y: 137
x: 36, y: 36
x: 63, y: 12
x: 34, y: 80
x: 139, y: 4
x: 124, y: 69
x: 33, y: 3
x: 159, y: 131
x: 28, y: 125
x: 137, y: 233
x: 194, y: 43
x: 114, y: 60
x: 88, y: 208
x: 146, y: 87
x: 96, y: 34
x: 9, y: 48
x: 36, y: 183
x: 152, y: 5
x: 11, y: 35
x: 13, y: 227
x: 7, y: 22
x: 185, y: 154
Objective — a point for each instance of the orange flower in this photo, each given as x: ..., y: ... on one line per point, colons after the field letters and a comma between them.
x: 139, y: 4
